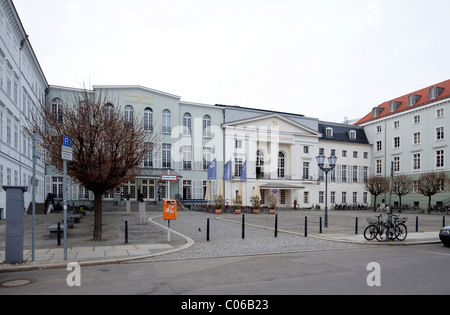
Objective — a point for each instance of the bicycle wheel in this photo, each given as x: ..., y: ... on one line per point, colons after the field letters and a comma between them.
x: 403, y: 232
x: 370, y: 232
x: 383, y: 234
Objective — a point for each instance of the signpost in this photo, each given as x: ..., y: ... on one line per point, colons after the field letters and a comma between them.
x: 66, y: 155
x: 170, y: 213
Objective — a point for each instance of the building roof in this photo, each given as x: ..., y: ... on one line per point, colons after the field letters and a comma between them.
x: 342, y: 133
x: 409, y: 101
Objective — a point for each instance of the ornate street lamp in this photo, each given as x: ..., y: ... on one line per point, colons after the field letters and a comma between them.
x: 331, y: 165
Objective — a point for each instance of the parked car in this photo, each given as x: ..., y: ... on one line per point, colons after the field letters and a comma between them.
x: 444, y: 235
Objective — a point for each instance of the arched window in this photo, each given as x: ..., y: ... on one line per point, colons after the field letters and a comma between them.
x: 187, y: 124
x: 206, y: 126
x: 148, y: 119
x: 57, y: 109
x: 281, y: 165
x: 166, y: 125
x: 259, y: 164
x: 129, y: 113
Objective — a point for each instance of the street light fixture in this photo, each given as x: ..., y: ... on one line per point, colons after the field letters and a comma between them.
x: 331, y: 165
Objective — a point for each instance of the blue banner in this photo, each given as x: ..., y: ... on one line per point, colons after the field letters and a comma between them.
x: 244, y: 172
x: 212, y: 170
x: 227, y: 171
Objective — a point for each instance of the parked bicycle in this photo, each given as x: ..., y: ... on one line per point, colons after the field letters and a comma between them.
x: 385, y: 228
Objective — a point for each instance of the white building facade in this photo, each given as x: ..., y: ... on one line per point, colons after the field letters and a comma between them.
x: 412, y: 131
x: 23, y: 87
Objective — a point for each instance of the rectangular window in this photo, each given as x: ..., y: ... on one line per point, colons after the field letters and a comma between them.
x: 416, y: 138
x: 396, y: 164
x: 439, y: 133
x: 333, y: 197
x: 187, y: 157
x: 305, y: 170
x: 344, y: 173
x: 379, y: 167
x: 306, y: 197
x: 355, y: 174
x: 166, y: 155
x: 396, y: 142
x: 355, y: 197
x: 379, y: 146
x: 344, y: 197
x: 321, y: 197
x: 416, y: 161
x: 237, y: 167
x: 439, y: 158
x: 206, y: 157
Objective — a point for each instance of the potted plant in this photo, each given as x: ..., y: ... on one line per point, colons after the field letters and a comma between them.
x: 237, y: 203
x: 273, y: 203
x: 218, y: 201
x: 256, y: 203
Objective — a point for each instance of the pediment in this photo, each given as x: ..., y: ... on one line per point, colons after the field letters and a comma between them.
x: 274, y: 122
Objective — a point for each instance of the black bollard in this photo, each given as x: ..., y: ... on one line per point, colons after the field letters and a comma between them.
x: 207, y: 230
x: 443, y: 221
x: 356, y: 226
x: 417, y: 224
x: 126, y: 232
x: 306, y: 226
x: 276, y: 225
x: 243, y: 226
x: 59, y: 234
x: 320, y: 225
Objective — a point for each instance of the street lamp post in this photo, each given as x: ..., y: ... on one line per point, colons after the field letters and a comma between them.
x: 332, y: 164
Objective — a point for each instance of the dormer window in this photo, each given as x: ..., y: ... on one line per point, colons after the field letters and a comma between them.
x: 412, y: 99
x: 393, y: 106
x: 434, y: 92
x: 329, y: 132
x: 352, y: 134
x: 376, y: 111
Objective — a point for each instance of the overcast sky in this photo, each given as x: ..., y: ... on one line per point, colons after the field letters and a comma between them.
x: 325, y: 58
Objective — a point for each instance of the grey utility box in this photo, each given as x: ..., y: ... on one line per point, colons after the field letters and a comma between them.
x: 14, y: 223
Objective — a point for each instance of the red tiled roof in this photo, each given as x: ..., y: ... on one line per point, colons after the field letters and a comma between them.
x: 423, y: 100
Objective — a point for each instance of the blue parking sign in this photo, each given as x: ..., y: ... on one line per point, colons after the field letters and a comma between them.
x: 67, y: 142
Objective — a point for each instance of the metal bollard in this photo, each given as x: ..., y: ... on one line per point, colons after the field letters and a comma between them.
x: 356, y: 226
x: 417, y: 224
x: 320, y: 225
x: 306, y: 226
x: 207, y: 230
x: 443, y: 221
x: 243, y: 226
x: 126, y: 232
x: 59, y: 234
x: 276, y: 225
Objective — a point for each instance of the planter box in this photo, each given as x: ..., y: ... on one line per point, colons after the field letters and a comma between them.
x: 255, y: 211
x: 272, y: 211
x: 237, y: 211
x: 218, y: 211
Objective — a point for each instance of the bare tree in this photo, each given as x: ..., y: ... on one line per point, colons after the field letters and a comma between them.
x: 430, y: 184
x: 108, y: 148
x: 376, y: 186
x: 401, y: 186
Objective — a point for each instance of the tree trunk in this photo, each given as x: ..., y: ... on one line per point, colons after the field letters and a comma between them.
x: 429, y: 204
x: 97, y: 217
x: 375, y: 203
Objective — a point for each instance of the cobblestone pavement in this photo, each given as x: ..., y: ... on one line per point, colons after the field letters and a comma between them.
x: 150, y: 240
